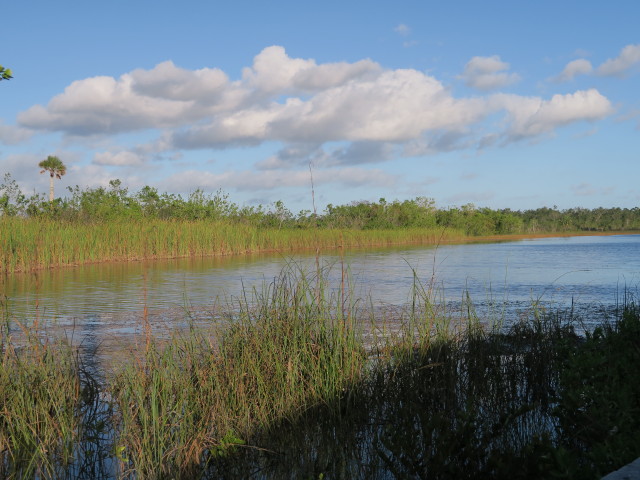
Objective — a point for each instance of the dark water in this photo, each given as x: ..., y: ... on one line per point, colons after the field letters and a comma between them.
x: 106, y: 301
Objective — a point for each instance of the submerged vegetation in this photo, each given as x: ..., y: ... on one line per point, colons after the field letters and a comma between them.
x: 100, y: 224
x: 297, y: 380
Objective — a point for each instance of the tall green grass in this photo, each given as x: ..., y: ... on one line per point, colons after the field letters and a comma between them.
x: 287, y: 348
x: 285, y: 383
x: 47, y: 408
x: 34, y: 243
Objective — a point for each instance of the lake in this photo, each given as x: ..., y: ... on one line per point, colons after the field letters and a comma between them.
x: 102, y: 303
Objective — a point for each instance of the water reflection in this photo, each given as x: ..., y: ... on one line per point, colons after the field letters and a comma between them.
x: 100, y: 302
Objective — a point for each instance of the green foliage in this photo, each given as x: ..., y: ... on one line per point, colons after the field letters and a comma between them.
x: 48, y: 409
x: 193, y: 401
x: 5, y: 73
x: 15, y: 203
x: 290, y: 373
x: 417, y: 213
x: 115, y: 202
x: 599, y: 405
x: 54, y: 166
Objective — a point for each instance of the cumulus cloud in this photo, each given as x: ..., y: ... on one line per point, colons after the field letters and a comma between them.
x: 573, y: 69
x: 394, y: 106
x: 12, y: 135
x: 167, y: 81
x: 488, y: 73
x: 629, y: 56
x: 293, y: 155
x: 104, y: 105
x: 371, y: 112
x: 273, y: 71
x: 529, y: 117
x: 360, y: 153
x: 439, y: 141
x: 351, y: 154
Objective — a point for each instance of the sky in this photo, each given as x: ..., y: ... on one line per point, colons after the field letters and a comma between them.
x: 503, y: 104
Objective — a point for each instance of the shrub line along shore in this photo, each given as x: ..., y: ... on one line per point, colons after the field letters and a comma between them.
x: 112, y: 224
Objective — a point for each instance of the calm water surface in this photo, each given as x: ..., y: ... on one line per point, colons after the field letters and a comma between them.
x: 108, y: 300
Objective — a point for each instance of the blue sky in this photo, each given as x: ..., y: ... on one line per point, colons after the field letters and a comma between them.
x: 498, y: 103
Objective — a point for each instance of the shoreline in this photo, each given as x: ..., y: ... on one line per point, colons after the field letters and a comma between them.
x: 528, y: 236
x: 374, y: 245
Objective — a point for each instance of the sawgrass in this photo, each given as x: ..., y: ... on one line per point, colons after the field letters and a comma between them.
x: 284, y: 383
x: 47, y: 407
x: 35, y: 243
x: 287, y: 348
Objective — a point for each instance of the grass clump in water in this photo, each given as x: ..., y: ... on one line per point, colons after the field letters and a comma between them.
x: 47, y: 409
x: 532, y: 401
x: 284, y: 386
x: 182, y: 405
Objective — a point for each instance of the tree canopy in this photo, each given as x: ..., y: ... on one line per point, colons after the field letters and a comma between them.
x: 56, y: 169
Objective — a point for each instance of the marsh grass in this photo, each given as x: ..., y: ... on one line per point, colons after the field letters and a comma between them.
x: 287, y: 348
x: 35, y: 243
x: 283, y: 385
x: 470, y: 405
x: 48, y: 408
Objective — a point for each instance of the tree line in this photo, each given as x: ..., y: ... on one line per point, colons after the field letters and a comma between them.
x: 97, y: 204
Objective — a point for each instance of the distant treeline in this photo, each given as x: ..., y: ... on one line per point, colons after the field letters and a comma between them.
x: 116, y: 202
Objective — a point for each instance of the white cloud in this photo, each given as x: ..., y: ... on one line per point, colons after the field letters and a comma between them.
x: 529, y: 117
x: 167, y: 81
x: 402, y: 29
x: 120, y: 159
x: 274, y: 71
x: 487, y: 73
x: 573, y: 69
x: 12, y: 135
x: 104, y: 105
x: 375, y: 113
x: 352, y: 154
x: 629, y: 56
x: 395, y: 106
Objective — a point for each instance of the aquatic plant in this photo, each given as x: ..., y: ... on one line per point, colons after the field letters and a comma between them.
x: 48, y: 409
x: 284, y: 383
x: 29, y: 244
x: 284, y: 349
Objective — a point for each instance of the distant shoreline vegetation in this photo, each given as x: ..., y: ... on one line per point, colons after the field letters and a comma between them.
x: 102, y: 224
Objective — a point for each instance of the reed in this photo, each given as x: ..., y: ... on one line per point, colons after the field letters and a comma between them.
x: 35, y: 243
x: 285, y: 349
x: 45, y: 413
x: 289, y: 364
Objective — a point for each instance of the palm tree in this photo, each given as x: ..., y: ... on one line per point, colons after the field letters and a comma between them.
x: 56, y: 168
